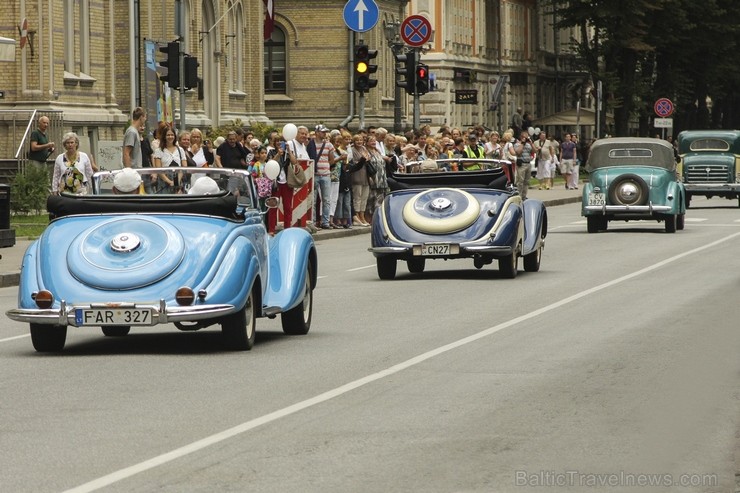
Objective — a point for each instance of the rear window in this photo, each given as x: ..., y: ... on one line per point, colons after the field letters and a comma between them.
x: 630, y: 153
x: 710, y: 145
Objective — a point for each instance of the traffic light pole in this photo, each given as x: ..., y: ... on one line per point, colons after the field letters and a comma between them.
x: 180, y: 13
x: 362, y: 110
x: 417, y: 116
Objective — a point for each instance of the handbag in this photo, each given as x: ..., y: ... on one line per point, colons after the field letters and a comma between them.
x: 295, y: 179
x: 370, y: 168
x: 264, y: 186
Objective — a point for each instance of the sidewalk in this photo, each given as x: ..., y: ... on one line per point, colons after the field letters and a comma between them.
x: 11, y: 257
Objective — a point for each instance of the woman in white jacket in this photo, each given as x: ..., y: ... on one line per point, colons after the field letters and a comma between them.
x: 72, y: 169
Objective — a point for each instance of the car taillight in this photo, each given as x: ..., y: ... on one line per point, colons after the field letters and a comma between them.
x: 185, y: 296
x: 44, y: 299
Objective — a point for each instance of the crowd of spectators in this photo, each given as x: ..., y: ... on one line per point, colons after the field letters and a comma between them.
x: 351, y: 170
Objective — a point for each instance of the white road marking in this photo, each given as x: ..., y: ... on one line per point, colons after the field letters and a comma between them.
x: 177, y: 453
x: 321, y: 277
x: 14, y: 338
x: 695, y: 219
x: 361, y: 268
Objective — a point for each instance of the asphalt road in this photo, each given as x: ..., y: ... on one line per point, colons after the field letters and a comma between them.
x: 615, y: 365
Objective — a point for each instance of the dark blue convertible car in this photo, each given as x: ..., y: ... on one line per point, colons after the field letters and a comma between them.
x: 458, y: 214
x: 117, y: 261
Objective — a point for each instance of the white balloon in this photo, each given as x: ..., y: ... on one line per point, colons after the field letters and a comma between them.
x: 290, y: 131
x: 537, y: 130
x: 530, y: 131
x: 272, y: 169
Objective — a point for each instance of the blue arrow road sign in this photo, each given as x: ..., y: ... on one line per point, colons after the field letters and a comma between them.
x: 361, y: 15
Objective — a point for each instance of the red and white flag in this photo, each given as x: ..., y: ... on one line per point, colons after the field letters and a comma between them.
x: 269, y: 18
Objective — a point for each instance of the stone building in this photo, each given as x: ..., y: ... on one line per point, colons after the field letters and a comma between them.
x: 91, y: 62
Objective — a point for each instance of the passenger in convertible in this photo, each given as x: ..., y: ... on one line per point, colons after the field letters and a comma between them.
x: 127, y: 182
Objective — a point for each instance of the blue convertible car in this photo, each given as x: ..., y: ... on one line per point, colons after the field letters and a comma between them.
x: 118, y: 261
x: 457, y: 214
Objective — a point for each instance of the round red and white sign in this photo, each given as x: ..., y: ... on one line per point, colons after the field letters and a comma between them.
x: 664, y: 107
x: 416, y: 30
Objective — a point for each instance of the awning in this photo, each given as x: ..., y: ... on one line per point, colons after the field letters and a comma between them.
x: 571, y: 118
x: 7, y: 49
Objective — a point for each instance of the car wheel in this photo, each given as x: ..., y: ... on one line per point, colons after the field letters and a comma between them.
x: 416, y: 265
x: 386, y: 267
x: 507, y: 266
x: 48, y: 338
x: 680, y: 219
x: 628, y: 189
x: 297, y: 320
x: 670, y: 223
x: 532, y: 260
x: 238, y: 329
x: 116, y: 330
x: 688, y: 200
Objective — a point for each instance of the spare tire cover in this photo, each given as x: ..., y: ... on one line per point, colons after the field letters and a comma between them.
x: 126, y: 253
x: 441, y: 210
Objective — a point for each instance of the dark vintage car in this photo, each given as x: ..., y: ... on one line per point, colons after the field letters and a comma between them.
x: 458, y: 214
x: 710, y: 163
x: 115, y: 261
x: 632, y: 178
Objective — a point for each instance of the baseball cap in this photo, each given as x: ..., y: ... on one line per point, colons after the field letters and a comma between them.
x: 321, y: 128
x: 127, y: 180
x: 204, y: 186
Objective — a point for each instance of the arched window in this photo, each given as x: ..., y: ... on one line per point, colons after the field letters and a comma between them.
x: 275, y: 63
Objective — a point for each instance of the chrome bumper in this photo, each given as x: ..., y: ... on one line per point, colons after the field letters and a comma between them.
x: 464, y: 250
x: 628, y: 209
x: 710, y: 187
x: 161, y: 314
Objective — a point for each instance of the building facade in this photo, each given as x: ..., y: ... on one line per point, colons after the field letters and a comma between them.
x: 94, y: 61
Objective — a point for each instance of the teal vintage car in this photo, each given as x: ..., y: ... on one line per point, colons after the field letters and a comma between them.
x: 632, y: 178
x: 710, y: 163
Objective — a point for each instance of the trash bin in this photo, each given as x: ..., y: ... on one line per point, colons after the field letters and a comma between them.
x: 7, y: 235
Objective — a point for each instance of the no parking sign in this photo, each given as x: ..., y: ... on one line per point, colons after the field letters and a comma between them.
x: 663, y: 107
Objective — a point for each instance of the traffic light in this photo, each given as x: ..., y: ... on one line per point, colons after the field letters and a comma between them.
x: 406, y: 68
x: 191, y: 72
x: 422, y: 79
x: 363, y: 68
x: 172, y: 64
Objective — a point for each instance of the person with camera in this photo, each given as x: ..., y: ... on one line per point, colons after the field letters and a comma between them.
x: 321, y: 150
x: 524, y: 150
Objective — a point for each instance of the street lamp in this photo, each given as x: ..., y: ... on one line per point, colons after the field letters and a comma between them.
x: 391, y: 29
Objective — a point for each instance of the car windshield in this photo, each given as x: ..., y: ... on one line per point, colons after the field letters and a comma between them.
x: 176, y: 181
